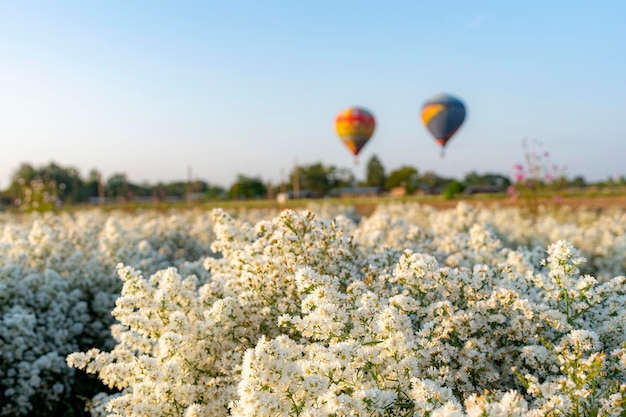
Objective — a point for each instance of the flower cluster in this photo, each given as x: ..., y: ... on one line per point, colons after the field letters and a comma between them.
x: 58, y: 286
x: 536, y: 176
x: 298, y: 318
x: 410, y: 311
x: 38, y: 195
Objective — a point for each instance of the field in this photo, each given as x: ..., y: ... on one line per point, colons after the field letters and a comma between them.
x: 364, y: 307
x: 583, y: 199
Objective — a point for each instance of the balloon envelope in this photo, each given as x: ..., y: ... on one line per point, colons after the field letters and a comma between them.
x: 355, y: 127
x: 443, y: 115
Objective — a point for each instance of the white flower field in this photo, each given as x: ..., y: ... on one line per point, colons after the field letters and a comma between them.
x: 410, y: 311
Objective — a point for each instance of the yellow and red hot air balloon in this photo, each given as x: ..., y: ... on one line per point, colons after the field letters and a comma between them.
x: 355, y: 127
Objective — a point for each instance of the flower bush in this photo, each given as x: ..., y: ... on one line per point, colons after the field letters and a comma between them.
x: 410, y: 311
x: 58, y: 285
x: 300, y: 318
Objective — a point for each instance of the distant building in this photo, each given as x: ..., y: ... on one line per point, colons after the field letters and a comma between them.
x: 357, y: 192
x: 304, y: 194
x: 397, y: 192
x: 290, y: 195
x: 483, y: 189
x: 4, y: 202
x: 419, y: 189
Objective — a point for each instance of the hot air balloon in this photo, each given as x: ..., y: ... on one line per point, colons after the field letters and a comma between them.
x: 443, y: 115
x: 355, y: 127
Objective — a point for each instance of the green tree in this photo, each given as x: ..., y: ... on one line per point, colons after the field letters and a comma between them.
x: 489, y: 179
x: 89, y: 188
x: 20, y: 179
x: 453, y: 188
x: 342, y: 177
x: 578, y: 182
x: 66, y: 179
x: 320, y: 179
x: 473, y: 179
x: 497, y: 180
x: 208, y: 191
x: 25, y: 173
x: 214, y: 192
x: 63, y: 183
x: 117, y: 186
x: 247, y: 187
x: 174, y: 189
x: 405, y: 176
x: 375, y: 173
x: 315, y: 177
x: 431, y: 180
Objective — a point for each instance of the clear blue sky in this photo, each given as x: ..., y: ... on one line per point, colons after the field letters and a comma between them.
x: 150, y: 88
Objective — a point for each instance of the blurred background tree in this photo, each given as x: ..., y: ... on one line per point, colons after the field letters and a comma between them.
x: 247, y: 188
x: 375, y: 173
x: 405, y: 176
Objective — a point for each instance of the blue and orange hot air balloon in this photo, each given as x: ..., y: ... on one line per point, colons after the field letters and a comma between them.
x: 443, y: 115
x: 355, y: 127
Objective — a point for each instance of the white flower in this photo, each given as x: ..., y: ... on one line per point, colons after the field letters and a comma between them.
x: 410, y: 310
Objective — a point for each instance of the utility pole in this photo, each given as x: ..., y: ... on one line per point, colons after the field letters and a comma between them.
x: 189, y: 173
x: 100, y: 191
x: 270, y: 190
x: 125, y: 198
x: 283, y: 185
x: 296, y: 180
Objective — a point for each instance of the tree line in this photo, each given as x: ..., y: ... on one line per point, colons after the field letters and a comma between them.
x: 53, y: 184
